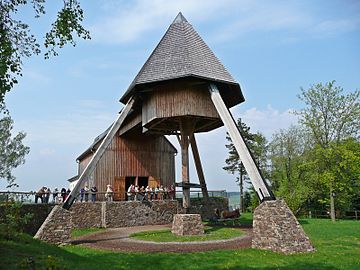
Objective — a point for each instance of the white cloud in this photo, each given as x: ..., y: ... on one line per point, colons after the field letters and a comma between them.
x: 128, y: 21
x: 78, y: 126
x: 268, y: 120
x: 334, y: 27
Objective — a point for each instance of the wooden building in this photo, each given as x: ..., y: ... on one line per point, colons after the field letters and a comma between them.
x: 169, y: 96
x: 130, y: 159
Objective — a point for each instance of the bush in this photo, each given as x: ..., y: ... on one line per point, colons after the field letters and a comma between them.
x: 12, y: 221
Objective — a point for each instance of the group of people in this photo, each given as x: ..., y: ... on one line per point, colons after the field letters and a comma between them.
x: 44, y: 194
x: 134, y: 193
x: 137, y: 193
x: 85, y: 191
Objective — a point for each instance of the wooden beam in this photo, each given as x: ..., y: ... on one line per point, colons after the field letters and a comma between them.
x: 98, y: 154
x: 186, y: 129
x: 198, y: 166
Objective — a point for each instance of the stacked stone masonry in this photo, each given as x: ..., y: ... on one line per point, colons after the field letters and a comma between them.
x: 276, y: 228
x: 187, y: 224
x: 57, y: 227
x: 118, y: 214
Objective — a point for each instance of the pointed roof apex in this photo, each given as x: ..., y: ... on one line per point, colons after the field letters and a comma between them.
x: 180, y: 18
x: 183, y: 54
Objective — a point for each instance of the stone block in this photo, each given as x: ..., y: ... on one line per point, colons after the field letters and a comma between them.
x: 187, y: 224
x: 276, y: 228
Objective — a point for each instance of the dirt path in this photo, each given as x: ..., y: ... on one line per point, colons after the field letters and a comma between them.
x: 118, y: 240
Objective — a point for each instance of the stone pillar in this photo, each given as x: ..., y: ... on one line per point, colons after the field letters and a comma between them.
x: 187, y: 224
x: 276, y: 228
x: 56, y: 228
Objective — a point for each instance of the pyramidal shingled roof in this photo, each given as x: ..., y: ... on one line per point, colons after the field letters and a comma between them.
x: 181, y: 53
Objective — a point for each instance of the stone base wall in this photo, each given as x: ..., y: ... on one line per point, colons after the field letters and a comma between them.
x: 206, y: 208
x: 57, y: 227
x: 276, y: 228
x: 120, y: 214
x: 127, y: 214
x: 86, y: 215
x: 187, y: 224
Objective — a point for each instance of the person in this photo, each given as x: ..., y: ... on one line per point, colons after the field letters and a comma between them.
x: 130, y: 192
x: 148, y: 193
x: 142, y: 193
x: 55, y: 194
x: 161, y: 192
x: 172, y: 192
x: 136, y: 192
x: 63, y: 194
x: 109, y: 193
x: 59, y: 198
x: 47, y: 193
x: 166, y: 193
x: 82, y: 193
x: 156, y: 192
x: 67, y: 193
x: 39, y: 195
x: 93, y: 193
x: 86, y: 192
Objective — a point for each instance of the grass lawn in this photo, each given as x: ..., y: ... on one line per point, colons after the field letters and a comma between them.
x: 211, y: 233
x: 338, y: 247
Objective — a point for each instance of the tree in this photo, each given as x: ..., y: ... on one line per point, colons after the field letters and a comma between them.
x: 17, y: 42
x: 288, y: 156
x: 12, y: 149
x: 257, y: 145
x: 331, y: 117
x: 342, y: 177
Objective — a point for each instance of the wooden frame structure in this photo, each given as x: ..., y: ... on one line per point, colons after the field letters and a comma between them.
x: 177, y: 92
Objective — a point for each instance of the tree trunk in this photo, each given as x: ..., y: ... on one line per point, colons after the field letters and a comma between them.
x: 332, y: 205
x: 241, y: 206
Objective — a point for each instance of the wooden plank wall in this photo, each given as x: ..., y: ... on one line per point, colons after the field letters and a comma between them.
x: 174, y: 100
x: 135, y: 156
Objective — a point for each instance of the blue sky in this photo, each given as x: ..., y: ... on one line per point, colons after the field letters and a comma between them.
x: 272, y: 48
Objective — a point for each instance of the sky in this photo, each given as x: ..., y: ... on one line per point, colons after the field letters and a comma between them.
x: 272, y: 48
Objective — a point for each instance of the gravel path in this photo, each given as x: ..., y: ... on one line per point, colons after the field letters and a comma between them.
x: 118, y: 240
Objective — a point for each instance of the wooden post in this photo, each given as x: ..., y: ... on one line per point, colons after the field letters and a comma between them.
x: 198, y: 166
x: 186, y: 129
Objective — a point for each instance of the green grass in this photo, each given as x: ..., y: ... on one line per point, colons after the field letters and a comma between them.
x: 81, y: 232
x: 338, y: 247
x: 211, y: 233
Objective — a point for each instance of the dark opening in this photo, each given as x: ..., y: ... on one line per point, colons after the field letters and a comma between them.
x: 143, y: 181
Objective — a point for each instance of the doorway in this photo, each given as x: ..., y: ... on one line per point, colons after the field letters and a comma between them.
x: 143, y: 181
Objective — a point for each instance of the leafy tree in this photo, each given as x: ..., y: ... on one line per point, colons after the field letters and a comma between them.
x: 288, y: 154
x: 257, y: 145
x: 331, y: 117
x: 17, y: 42
x: 342, y: 177
x: 12, y: 149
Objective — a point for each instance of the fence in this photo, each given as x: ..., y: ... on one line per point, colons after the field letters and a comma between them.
x: 351, y: 214
x: 30, y: 197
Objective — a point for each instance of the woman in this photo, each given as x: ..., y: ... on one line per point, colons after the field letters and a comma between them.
x: 109, y: 193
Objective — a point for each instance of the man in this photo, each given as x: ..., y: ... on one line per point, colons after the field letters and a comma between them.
x: 55, y: 194
x: 86, y: 191
x: 39, y: 194
x: 93, y: 193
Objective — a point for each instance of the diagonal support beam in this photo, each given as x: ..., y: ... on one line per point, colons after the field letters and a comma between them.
x: 198, y: 166
x: 247, y: 159
x: 85, y: 175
